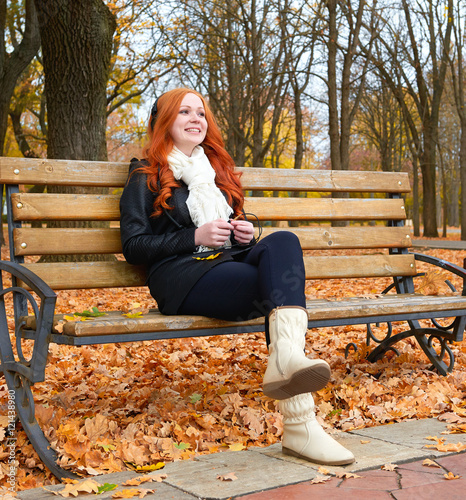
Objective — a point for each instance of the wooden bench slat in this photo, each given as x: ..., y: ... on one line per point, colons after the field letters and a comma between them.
x: 95, y: 173
x: 323, y: 209
x: 38, y: 206
x: 362, y: 266
x: 73, y: 275
x: 350, y: 237
x: 82, y: 207
x: 68, y: 241
x: 318, y: 310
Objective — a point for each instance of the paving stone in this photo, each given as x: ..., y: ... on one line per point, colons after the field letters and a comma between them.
x: 378, y: 480
x: 413, y: 433
x: 307, y: 491
x: 409, y: 478
x: 255, y: 472
x: 451, y: 490
x: 162, y: 491
x: 371, y: 455
x: 454, y: 463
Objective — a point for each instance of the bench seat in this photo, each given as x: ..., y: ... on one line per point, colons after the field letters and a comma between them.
x: 321, y: 312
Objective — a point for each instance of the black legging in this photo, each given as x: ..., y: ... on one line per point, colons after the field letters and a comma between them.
x: 270, y: 275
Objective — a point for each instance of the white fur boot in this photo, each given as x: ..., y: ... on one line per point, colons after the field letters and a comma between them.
x: 303, y: 436
x: 289, y: 372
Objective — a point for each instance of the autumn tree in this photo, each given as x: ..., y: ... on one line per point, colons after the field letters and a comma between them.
x: 414, y: 63
x: 457, y: 73
x: 349, y: 26
x: 235, y: 53
x: 19, y: 43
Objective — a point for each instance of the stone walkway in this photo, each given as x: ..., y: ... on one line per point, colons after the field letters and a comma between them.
x: 267, y: 474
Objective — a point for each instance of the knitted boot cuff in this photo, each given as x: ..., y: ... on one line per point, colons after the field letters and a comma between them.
x: 297, y: 409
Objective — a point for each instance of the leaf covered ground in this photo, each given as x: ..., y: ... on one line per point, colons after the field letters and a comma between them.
x: 107, y: 408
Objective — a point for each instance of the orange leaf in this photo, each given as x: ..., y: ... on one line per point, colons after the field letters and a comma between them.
x: 430, y: 463
x: 450, y: 475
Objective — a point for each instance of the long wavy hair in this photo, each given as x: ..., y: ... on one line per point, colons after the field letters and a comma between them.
x: 159, y: 176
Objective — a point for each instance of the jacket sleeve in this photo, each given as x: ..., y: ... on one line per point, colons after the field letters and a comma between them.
x: 146, y: 240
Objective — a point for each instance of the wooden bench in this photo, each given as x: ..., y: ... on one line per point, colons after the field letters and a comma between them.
x: 374, y: 209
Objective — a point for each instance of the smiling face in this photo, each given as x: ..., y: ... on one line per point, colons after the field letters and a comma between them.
x: 190, y: 126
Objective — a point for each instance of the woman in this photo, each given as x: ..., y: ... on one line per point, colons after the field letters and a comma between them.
x: 182, y: 216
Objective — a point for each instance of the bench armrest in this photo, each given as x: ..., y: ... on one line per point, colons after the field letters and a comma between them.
x: 34, y: 368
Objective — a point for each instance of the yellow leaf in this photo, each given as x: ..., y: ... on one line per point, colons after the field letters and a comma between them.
x: 145, y: 468
x: 237, y: 447
x: 134, y: 315
x: 389, y: 467
x: 365, y: 441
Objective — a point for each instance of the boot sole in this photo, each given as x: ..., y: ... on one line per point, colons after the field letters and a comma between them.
x: 309, y: 379
x: 293, y: 453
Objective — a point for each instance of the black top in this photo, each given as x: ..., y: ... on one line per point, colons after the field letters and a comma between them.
x: 165, y: 244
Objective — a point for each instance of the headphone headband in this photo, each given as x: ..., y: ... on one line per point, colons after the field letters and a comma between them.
x: 153, y: 113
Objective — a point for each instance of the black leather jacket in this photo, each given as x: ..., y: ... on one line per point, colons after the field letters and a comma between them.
x: 165, y: 244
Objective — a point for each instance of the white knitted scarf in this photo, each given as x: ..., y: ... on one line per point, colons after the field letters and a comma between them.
x: 205, y: 201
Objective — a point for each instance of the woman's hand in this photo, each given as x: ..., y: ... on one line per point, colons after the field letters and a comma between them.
x: 213, y: 234
x: 243, y: 231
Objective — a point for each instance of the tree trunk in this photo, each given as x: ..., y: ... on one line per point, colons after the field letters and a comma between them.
x: 77, y: 45
x: 77, y: 38
x: 416, y: 229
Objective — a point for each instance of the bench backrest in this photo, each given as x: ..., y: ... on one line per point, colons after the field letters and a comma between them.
x: 374, y: 210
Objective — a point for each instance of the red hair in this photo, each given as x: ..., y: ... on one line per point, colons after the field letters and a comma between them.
x: 160, y: 145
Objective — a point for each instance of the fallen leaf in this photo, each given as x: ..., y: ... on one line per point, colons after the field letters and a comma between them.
x: 450, y: 475
x: 320, y: 479
x: 430, y: 463
x: 347, y: 475
x: 365, y: 441
x: 323, y: 470
x: 74, y: 488
x: 107, y: 487
x: 389, y: 467
x: 138, y: 480
x: 131, y: 493
x: 159, y: 477
x: 227, y: 477
x: 145, y: 468
x: 237, y: 447
x: 134, y: 315
x: 446, y: 447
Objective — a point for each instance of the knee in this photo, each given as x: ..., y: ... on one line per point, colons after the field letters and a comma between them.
x: 285, y: 238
